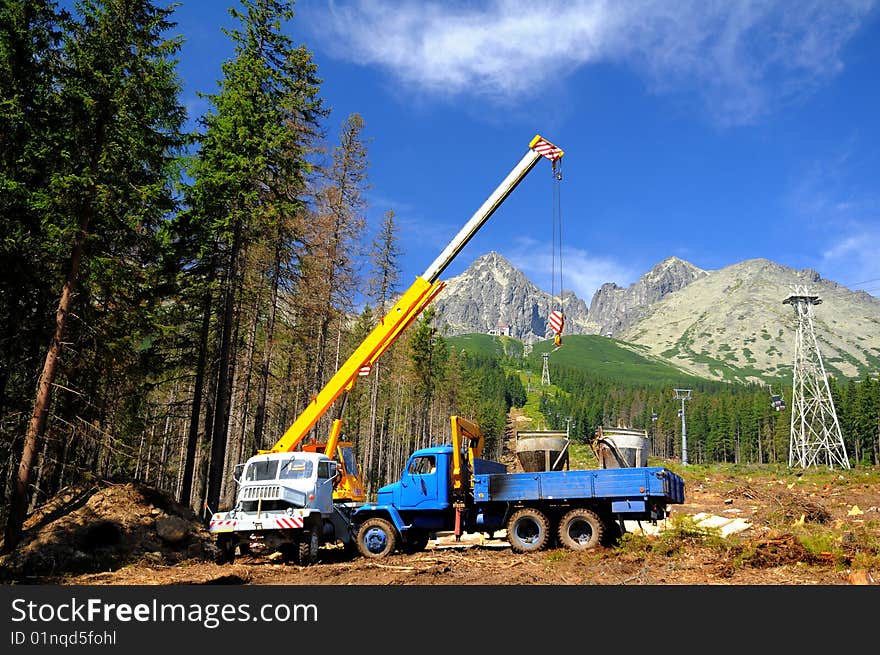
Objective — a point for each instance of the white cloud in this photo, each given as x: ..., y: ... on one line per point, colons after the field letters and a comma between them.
x: 852, y: 260
x: 741, y: 57
x: 581, y: 272
x: 837, y: 216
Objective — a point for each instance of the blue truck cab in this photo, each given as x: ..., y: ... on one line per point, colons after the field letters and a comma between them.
x: 577, y: 508
x: 421, y: 501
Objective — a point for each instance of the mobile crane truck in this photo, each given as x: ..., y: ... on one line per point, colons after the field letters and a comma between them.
x: 449, y: 488
x: 294, y: 497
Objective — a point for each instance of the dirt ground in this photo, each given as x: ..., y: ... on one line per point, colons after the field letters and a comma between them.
x: 131, y: 535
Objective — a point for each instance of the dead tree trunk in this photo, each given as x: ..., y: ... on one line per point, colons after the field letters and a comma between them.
x: 240, y: 405
x: 193, y: 434
x: 260, y: 412
x: 225, y: 371
x: 18, y: 503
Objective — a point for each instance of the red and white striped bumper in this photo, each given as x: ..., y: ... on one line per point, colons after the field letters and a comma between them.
x: 222, y: 525
x: 249, y: 523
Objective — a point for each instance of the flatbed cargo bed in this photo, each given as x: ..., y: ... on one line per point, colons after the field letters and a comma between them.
x: 654, y: 482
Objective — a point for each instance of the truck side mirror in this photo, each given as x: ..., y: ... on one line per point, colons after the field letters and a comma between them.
x: 237, y: 472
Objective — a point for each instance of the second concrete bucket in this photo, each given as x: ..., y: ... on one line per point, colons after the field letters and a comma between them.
x: 622, y: 448
x: 542, y: 450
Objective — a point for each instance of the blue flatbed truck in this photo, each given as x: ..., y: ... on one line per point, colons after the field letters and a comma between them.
x: 441, y: 489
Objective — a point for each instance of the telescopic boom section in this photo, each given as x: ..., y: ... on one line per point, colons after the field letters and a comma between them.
x: 538, y: 148
x: 411, y: 304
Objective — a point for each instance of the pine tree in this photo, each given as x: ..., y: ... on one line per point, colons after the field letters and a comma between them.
x: 30, y: 117
x: 428, y: 355
x: 382, y: 285
x: 249, y: 174
x: 118, y: 96
x: 331, y: 268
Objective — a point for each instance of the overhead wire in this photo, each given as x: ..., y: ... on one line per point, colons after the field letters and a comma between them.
x: 557, y: 175
x: 852, y: 284
x: 556, y: 249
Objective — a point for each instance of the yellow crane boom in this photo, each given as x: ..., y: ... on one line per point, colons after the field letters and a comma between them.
x: 411, y: 304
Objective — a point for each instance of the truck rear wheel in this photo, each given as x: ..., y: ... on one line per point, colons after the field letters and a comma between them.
x: 581, y: 529
x: 528, y: 530
x: 310, y: 541
x: 376, y: 538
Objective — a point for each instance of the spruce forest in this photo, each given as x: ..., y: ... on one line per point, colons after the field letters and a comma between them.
x: 171, y: 300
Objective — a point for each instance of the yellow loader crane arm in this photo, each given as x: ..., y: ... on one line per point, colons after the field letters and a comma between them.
x: 411, y: 304
x: 461, y: 429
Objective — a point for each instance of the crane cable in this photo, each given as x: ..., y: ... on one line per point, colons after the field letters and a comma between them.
x: 556, y: 317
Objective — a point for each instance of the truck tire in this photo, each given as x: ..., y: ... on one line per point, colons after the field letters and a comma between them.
x: 581, y: 529
x: 528, y: 530
x: 376, y: 538
x: 310, y: 541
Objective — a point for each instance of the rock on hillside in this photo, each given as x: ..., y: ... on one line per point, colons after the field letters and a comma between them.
x: 732, y: 324
x: 493, y: 294
x: 614, y: 309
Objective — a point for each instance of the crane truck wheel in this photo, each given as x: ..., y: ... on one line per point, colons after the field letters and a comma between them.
x: 308, y: 546
x: 581, y: 529
x: 528, y: 530
x: 376, y: 538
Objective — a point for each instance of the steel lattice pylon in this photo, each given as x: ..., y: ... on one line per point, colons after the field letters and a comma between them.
x: 815, y: 431
x: 545, y: 373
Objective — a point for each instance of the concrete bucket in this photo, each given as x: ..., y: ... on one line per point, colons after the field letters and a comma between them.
x: 542, y: 451
x: 622, y: 448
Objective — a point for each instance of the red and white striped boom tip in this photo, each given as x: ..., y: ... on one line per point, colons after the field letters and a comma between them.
x: 546, y: 149
x: 557, y: 321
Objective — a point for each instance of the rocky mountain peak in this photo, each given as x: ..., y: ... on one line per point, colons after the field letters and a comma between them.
x: 615, y: 308
x: 732, y: 323
x: 493, y: 296
x: 728, y: 323
x: 810, y: 275
x: 493, y: 266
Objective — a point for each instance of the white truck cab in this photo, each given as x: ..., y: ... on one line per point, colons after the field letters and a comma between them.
x: 284, y: 502
x: 297, y: 480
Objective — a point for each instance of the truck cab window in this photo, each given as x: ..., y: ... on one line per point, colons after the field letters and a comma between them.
x: 349, y: 460
x: 422, y: 465
x: 326, y: 470
x: 296, y: 469
x: 265, y: 470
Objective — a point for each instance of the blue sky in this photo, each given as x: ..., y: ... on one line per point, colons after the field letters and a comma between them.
x: 713, y: 131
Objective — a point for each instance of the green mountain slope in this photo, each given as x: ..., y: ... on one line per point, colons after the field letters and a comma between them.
x: 487, y: 344
x: 609, y: 359
x: 601, y: 356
